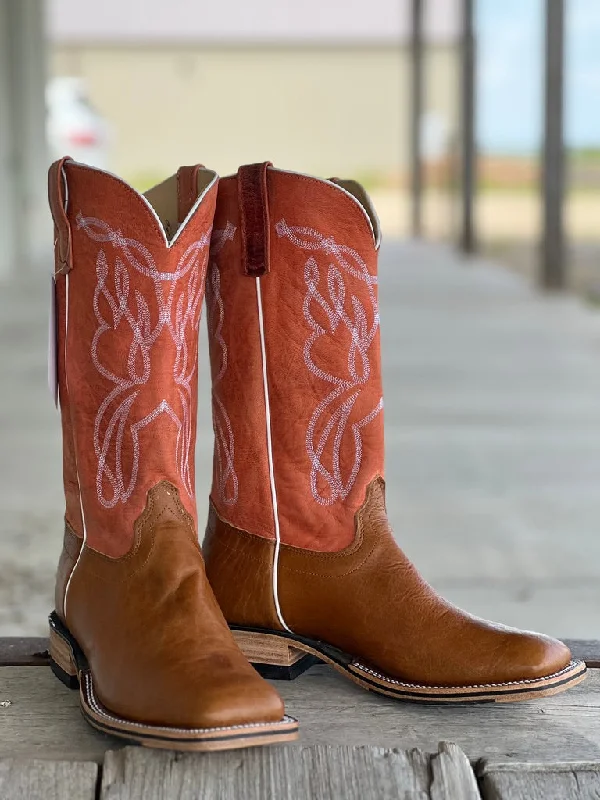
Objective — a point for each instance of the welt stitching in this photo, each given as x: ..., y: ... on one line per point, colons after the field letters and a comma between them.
x: 527, y: 681
x: 96, y: 706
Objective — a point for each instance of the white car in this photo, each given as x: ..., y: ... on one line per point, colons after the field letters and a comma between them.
x: 73, y: 126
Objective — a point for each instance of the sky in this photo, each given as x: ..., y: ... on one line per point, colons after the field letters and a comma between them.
x: 510, y: 84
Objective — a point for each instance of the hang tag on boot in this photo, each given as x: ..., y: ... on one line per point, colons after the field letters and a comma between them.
x: 53, y: 344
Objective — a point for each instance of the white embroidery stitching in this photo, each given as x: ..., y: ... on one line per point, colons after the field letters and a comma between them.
x: 346, y: 261
x: 144, y: 336
x: 226, y: 477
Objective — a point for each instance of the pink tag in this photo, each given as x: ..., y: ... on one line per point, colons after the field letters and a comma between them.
x: 53, y: 344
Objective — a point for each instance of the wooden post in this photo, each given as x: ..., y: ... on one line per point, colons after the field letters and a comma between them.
x: 552, y: 267
x: 8, y: 178
x: 26, y: 76
x: 416, y: 113
x: 467, y: 238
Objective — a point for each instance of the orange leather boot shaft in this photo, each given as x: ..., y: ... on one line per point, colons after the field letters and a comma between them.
x: 129, y: 298
x: 295, y: 355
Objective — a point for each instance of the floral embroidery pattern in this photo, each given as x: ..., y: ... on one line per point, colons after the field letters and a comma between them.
x: 178, y: 297
x: 332, y: 414
x: 225, y: 476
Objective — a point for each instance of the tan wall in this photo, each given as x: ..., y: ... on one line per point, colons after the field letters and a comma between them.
x: 442, y: 84
x: 329, y: 111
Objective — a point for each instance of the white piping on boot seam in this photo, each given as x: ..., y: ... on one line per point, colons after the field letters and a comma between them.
x: 261, y: 327
x: 75, y: 565
x: 67, y: 384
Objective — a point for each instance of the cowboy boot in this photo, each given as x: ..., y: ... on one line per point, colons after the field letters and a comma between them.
x: 136, y: 625
x: 298, y: 547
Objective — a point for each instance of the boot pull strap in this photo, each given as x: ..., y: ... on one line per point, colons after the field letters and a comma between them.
x: 57, y: 197
x: 253, y: 204
x: 187, y: 190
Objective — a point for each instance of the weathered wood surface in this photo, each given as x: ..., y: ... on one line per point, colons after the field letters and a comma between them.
x: 451, y: 774
x: 561, y: 728
x: 19, y: 651
x: 353, y: 745
x: 43, y: 720
x: 588, y: 650
x: 541, y: 782
x: 47, y: 780
x: 290, y: 773
x: 40, y: 718
x: 296, y: 773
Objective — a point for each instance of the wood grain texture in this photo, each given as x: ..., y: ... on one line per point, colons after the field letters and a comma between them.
x: 43, y: 720
x: 563, y: 728
x: 47, y: 780
x: 290, y: 773
x: 586, y: 649
x: 452, y: 776
x: 542, y: 782
x: 24, y: 651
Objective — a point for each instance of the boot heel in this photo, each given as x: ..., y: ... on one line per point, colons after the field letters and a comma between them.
x: 272, y: 656
x: 62, y: 660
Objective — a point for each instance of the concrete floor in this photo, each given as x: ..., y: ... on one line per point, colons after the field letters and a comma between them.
x: 493, y: 443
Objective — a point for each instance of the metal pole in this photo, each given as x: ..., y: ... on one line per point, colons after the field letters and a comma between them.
x: 416, y: 113
x: 467, y: 239
x: 552, y: 268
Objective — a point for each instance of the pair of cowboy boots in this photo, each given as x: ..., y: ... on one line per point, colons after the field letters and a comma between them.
x: 299, y: 562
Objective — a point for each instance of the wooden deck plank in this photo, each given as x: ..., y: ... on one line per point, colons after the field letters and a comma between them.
x: 452, y: 776
x: 47, y: 780
x: 561, y: 728
x: 290, y: 773
x: 24, y: 651
x: 588, y: 650
x: 43, y: 720
x: 40, y: 718
x: 542, y: 782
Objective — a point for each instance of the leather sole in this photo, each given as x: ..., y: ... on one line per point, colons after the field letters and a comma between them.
x: 285, y: 656
x: 70, y: 666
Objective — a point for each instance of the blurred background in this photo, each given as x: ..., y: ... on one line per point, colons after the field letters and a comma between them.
x: 326, y: 88
x: 475, y: 126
